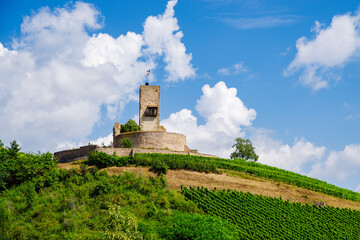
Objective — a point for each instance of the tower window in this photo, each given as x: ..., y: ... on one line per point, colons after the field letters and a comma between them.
x: 151, y: 111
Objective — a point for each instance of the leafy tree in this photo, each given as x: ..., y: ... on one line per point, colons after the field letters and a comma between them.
x: 244, y: 150
x: 130, y: 126
x: 1, y: 144
x: 126, y: 143
x: 14, y: 147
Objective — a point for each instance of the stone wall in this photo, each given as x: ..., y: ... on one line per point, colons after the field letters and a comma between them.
x: 149, y: 96
x: 153, y: 139
x: 74, y: 154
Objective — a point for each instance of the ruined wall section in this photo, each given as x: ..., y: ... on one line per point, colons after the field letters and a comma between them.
x: 153, y: 139
x: 74, y: 154
x: 149, y: 96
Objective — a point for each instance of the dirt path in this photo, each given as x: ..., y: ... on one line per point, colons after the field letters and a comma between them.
x: 237, y: 181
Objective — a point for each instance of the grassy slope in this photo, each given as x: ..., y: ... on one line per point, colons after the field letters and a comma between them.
x: 77, y: 204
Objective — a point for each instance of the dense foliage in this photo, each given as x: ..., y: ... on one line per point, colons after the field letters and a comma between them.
x: 159, y: 163
x: 244, y: 150
x: 259, y: 217
x: 90, y: 204
x: 208, y: 164
x: 17, y: 167
x: 130, y: 126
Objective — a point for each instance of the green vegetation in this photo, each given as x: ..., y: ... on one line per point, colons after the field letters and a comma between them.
x: 208, y: 164
x: 39, y: 201
x: 156, y: 161
x: 126, y: 143
x: 259, y: 217
x: 130, y: 126
x: 90, y: 204
x: 244, y: 150
x: 17, y: 167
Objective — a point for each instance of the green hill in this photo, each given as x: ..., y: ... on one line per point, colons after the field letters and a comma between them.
x: 41, y: 201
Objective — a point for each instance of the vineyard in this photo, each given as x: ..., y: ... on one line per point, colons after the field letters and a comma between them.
x: 259, y: 217
x: 208, y: 164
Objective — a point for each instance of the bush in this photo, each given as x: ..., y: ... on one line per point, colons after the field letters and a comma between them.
x: 101, y: 188
x: 121, y: 225
x: 158, y: 167
x: 126, y: 143
x: 130, y: 126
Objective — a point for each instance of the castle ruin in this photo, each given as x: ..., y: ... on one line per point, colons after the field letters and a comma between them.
x: 152, y: 138
x: 152, y: 135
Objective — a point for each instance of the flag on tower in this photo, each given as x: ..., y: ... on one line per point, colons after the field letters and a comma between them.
x: 148, y: 72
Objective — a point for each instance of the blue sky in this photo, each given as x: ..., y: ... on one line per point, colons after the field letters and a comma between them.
x: 283, y: 73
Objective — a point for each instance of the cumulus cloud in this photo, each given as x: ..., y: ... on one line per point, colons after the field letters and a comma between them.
x: 56, y: 77
x: 293, y: 158
x: 339, y: 164
x: 162, y: 36
x: 330, y: 49
x: 224, y: 113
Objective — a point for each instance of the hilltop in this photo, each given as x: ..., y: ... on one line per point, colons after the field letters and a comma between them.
x: 166, y: 196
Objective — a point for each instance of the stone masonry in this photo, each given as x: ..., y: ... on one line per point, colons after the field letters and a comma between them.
x: 149, y: 111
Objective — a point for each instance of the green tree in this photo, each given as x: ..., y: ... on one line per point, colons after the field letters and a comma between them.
x: 130, y: 126
x: 126, y: 143
x: 1, y: 144
x: 244, y: 150
x: 14, y: 149
x: 14, y: 146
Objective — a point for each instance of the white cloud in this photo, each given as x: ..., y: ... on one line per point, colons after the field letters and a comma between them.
x: 56, y: 77
x: 234, y: 69
x: 162, y: 36
x: 275, y: 153
x: 339, y: 164
x: 357, y: 189
x: 103, y: 141
x: 224, y: 114
x: 331, y: 48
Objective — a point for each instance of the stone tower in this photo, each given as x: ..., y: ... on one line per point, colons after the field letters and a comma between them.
x: 149, y: 111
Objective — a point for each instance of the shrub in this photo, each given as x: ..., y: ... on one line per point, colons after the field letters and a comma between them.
x: 158, y: 167
x: 130, y: 126
x: 126, y: 143
x: 101, y: 188
x: 121, y: 225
